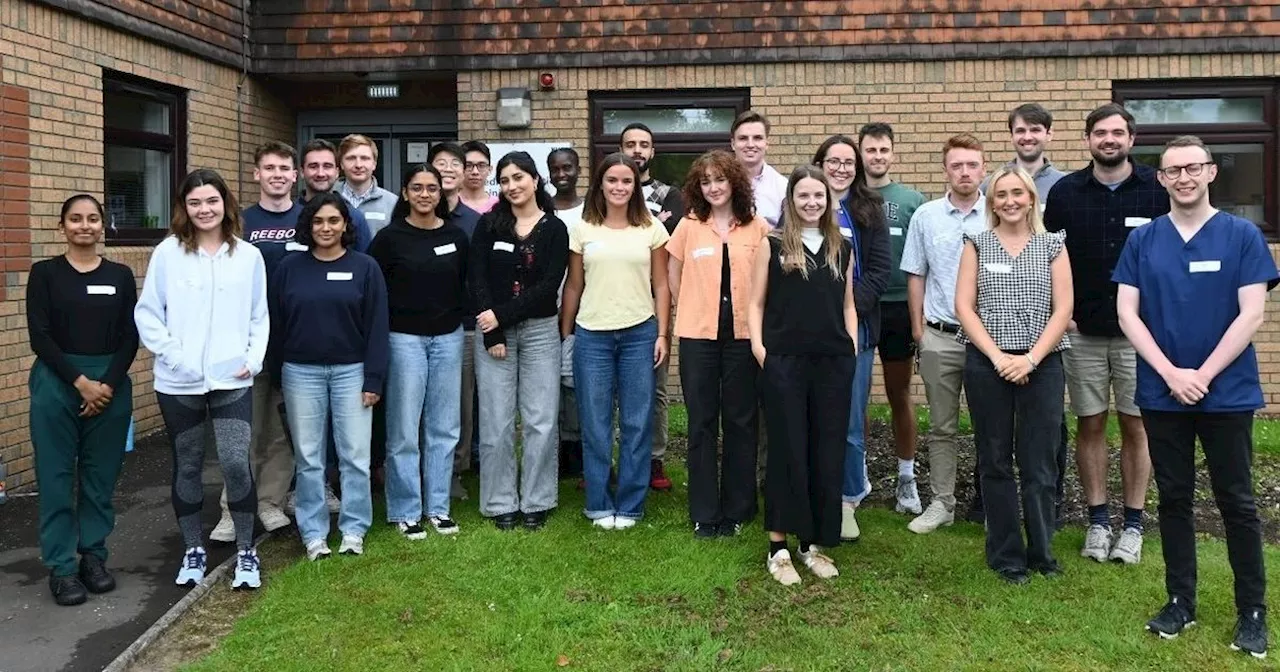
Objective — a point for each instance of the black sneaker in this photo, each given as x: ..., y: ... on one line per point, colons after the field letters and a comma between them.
x: 443, y: 525
x: 729, y: 528
x: 1172, y: 619
x: 535, y: 520
x: 507, y: 521
x: 1251, y: 634
x: 67, y: 590
x: 411, y: 530
x: 94, y: 575
x: 1013, y: 575
x: 706, y: 530
x: 1052, y: 571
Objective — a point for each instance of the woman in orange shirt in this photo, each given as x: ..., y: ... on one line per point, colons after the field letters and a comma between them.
x: 713, y: 253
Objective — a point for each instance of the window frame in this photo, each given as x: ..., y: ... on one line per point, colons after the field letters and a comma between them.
x: 602, y: 144
x: 174, y: 143
x: 1264, y: 132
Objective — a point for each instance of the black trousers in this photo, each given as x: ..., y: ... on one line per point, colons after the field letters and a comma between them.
x: 1016, y: 423
x: 1227, y: 439
x: 719, y: 383
x: 1058, y: 492
x: 806, y: 406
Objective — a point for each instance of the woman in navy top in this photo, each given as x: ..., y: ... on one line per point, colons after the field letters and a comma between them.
x: 1193, y: 288
x: 329, y: 319
x: 518, y: 257
x: 80, y: 322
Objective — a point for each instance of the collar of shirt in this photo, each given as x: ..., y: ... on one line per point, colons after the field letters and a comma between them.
x: 952, y: 209
x: 1043, y: 169
x: 1139, y: 172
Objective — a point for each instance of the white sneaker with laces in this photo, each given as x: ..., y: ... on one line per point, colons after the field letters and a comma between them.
x: 225, y: 531
x: 331, y: 500
x: 317, y: 549
x: 933, y: 517
x: 908, y: 497
x: 849, y: 530
x: 191, y: 572
x: 606, y: 523
x: 411, y: 530
x: 620, y: 523
x: 248, y: 571
x: 1128, y: 548
x: 781, y: 569
x: 351, y: 545
x: 272, y: 518
x: 1097, y: 543
x: 821, y: 565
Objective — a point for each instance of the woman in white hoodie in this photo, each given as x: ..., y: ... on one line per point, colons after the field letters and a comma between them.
x: 203, y: 313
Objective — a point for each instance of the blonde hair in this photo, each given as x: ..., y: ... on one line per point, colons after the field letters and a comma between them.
x: 356, y: 140
x: 793, y: 256
x: 1034, y: 221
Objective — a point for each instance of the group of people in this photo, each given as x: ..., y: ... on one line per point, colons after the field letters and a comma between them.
x: 384, y: 330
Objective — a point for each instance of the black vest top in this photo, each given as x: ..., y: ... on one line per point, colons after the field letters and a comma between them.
x: 806, y: 317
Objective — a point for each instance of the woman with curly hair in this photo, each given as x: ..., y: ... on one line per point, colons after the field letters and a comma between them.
x: 713, y: 252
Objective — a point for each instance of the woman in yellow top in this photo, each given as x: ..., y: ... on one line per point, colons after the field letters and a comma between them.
x: 713, y: 253
x: 616, y: 305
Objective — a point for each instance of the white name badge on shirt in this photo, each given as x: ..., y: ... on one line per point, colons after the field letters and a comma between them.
x: 592, y: 247
x: 1205, y: 266
x: 294, y: 247
x: 846, y: 232
x: 378, y: 216
x: 895, y: 230
x: 1132, y: 222
x: 446, y: 249
x: 100, y: 290
x: 995, y: 267
x: 498, y: 245
x: 703, y: 252
x: 337, y: 275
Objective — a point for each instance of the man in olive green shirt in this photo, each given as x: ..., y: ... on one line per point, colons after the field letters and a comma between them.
x: 897, y: 344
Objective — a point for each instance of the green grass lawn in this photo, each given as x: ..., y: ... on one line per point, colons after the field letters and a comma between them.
x: 653, y: 598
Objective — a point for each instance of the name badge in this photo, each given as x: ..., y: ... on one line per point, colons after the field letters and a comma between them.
x: 1205, y: 266
x: 895, y: 230
x: 501, y: 245
x: 998, y: 268
x: 337, y: 275
x: 591, y: 247
x: 703, y: 252
x: 1042, y: 206
x: 294, y: 247
x: 379, y: 216
x: 100, y: 290
x: 446, y: 249
x: 846, y: 232
x: 1132, y: 222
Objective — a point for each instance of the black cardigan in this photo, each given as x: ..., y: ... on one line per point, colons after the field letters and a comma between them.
x: 876, y: 261
x: 494, y: 267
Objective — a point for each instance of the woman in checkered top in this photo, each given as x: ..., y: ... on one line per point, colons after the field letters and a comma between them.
x: 1014, y: 300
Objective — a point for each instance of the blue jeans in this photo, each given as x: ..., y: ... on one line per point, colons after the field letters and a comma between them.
x: 605, y: 362
x: 313, y: 393
x: 424, y: 422
x: 856, y: 484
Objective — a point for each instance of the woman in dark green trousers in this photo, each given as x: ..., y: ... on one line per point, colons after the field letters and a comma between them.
x: 80, y: 320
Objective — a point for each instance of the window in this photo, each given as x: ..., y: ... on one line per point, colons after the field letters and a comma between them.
x: 144, y: 129
x: 1236, y: 119
x: 685, y: 124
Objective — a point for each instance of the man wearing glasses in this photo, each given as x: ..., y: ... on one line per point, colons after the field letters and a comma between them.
x: 476, y: 166
x: 1192, y: 292
x: 1098, y: 206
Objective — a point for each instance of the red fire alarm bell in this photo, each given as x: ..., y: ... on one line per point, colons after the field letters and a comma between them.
x: 547, y: 81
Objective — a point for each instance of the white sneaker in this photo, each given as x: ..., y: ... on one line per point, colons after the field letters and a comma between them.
x: 781, y: 569
x: 411, y: 530
x: 1097, y: 543
x: 191, y: 572
x: 908, y: 497
x: 272, y: 519
x: 331, y: 500
x: 606, y: 523
x: 317, y: 549
x: 248, y: 571
x: 849, y: 530
x: 443, y: 525
x: 351, y: 545
x: 933, y: 517
x: 620, y: 523
x: 225, y: 531
x: 291, y: 504
x: 821, y: 565
x: 1128, y: 548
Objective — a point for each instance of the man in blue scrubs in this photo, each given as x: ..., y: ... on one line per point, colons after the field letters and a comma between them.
x: 1192, y: 289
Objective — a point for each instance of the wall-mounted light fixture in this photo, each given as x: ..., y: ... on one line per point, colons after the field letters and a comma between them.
x: 382, y: 91
x: 515, y: 107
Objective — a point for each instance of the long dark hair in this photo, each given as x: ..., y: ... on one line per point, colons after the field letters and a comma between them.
x: 303, y: 234
x: 596, y: 206
x: 502, y: 218
x: 865, y: 204
x: 181, y: 225
x: 401, y: 211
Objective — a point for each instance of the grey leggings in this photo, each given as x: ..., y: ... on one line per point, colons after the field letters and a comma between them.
x: 231, y: 413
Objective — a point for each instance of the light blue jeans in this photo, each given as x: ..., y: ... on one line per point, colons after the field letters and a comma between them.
x: 313, y: 394
x: 424, y: 423
x: 605, y: 362
x: 856, y: 484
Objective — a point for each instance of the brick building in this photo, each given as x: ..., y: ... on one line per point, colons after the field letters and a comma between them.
x: 120, y: 98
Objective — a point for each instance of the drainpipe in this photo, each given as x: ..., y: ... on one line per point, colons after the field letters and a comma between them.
x: 240, y: 84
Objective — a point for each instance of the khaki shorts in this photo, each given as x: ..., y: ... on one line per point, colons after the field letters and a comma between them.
x: 1096, y: 367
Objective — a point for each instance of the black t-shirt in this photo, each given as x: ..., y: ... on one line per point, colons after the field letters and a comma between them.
x: 74, y: 313
x: 426, y: 271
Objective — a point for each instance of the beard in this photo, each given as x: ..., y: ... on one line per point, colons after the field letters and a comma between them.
x: 641, y: 163
x: 1109, y: 161
x: 1030, y: 155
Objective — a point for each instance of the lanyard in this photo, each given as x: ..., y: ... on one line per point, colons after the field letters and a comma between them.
x: 855, y: 237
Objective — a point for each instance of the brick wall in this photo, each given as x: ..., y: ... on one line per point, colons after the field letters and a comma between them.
x: 55, y: 61
x: 926, y: 102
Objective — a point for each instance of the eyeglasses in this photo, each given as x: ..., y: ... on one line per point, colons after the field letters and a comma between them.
x: 1193, y: 169
x: 478, y: 165
x: 446, y: 163
x: 419, y: 188
x: 837, y: 164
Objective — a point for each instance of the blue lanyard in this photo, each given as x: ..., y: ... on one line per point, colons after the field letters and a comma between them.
x: 847, y: 222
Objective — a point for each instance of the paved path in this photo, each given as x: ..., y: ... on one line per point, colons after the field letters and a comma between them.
x: 36, y: 635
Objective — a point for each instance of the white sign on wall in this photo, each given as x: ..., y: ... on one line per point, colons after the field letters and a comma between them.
x: 538, y: 150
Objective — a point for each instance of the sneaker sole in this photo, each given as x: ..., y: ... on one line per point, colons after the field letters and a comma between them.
x: 350, y: 551
x: 446, y: 532
x: 1124, y: 560
x: 1166, y: 635
x: 245, y: 585
x: 934, y: 529
x: 415, y: 537
x: 1259, y: 656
